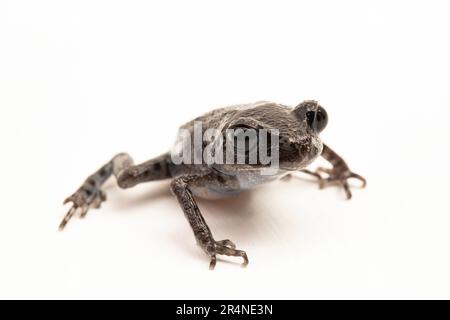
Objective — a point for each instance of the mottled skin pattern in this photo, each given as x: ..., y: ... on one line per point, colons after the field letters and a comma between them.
x: 299, y: 146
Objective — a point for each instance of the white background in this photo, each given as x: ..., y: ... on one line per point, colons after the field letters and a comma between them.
x: 83, y: 80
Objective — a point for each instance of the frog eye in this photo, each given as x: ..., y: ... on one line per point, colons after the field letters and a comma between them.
x: 317, y: 119
x: 314, y: 115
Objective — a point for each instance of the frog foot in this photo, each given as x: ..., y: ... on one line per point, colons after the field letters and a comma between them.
x: 83, y: 200
x: 225, y: 247
x: 336, y: 177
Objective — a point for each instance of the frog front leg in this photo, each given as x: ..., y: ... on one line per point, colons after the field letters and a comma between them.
x: 181, y: 188
x: 338, y: 175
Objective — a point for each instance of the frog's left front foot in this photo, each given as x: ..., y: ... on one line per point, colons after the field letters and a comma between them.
x: 337, y: 176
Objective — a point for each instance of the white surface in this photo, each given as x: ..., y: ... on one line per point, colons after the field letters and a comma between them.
x: 83, y: 80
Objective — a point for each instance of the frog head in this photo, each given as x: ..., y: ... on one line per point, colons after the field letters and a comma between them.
x: 291, y: 134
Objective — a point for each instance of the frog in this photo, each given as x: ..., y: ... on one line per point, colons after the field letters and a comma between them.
x: 295, y: 129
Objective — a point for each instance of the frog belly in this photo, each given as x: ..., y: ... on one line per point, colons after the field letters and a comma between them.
x: 215, y: 193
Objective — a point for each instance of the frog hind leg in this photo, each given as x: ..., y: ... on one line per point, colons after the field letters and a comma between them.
x: 90, y: 194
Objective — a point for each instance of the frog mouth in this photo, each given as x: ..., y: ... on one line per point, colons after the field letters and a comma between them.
x: 247, y: 168
x: 296, y: 168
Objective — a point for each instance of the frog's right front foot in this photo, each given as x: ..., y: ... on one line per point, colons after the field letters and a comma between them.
x: 223, y: 247
x: 180, y: 187
x: 87, y: 197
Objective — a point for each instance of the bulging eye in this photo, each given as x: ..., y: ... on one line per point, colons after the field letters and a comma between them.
x: 318, y: 119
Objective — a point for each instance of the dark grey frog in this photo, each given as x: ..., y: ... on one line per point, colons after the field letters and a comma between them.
x: 298, y: 145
